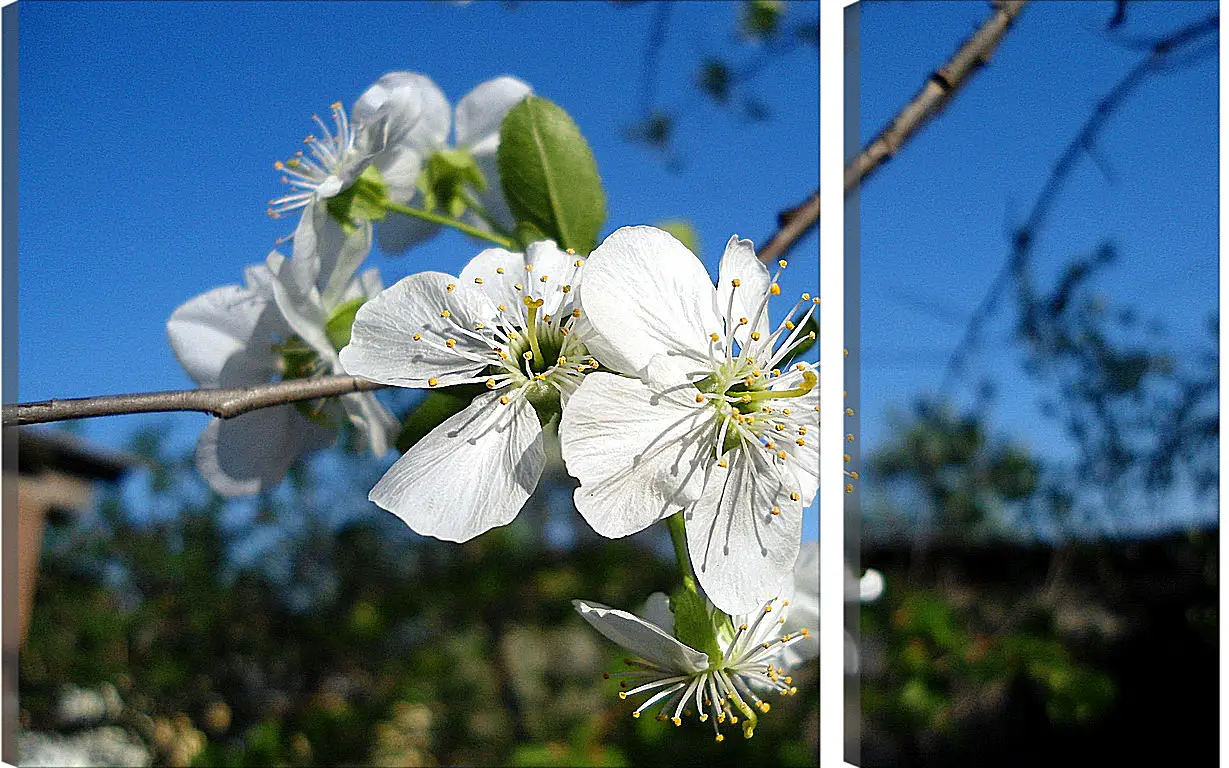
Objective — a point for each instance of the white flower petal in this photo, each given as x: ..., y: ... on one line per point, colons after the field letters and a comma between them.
x: 804, y: 606
x: 398, y: 233
x: 492, y: 198
x: 645, y: 294
x: 740, y: 551
x: 470, y: 474
x: 639, y: 456
x: 297, y: 298
x: 739, y: 263
x: 373, y: 421
x: 400, y: 170
x: 251, y: 452
x: 483, y: 109
x: 657, y: 611
x: 325, y: 256
x: 223, y: 338
x: 642, y: 638
x: 545, y: 260
x: 382, y: 346
x: 405, y: 109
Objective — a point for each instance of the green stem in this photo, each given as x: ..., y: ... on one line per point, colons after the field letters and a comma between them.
x: 460, y: 226
x: 678, y: 535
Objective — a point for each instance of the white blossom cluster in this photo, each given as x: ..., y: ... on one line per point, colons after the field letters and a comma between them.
x: 670, y: 394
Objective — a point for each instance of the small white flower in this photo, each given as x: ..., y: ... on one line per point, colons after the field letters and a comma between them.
x: 683, y: 680
x: 277, y: 326
x: 711, y: 427
x: 396, y: 126
x: 505, y: 322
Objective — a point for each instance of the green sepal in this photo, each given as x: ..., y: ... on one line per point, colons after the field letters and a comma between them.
x: 338, y: 326
x: 694, y: 624
x: 549, y: 175
x: 364, y: 200
x: 444, y: 179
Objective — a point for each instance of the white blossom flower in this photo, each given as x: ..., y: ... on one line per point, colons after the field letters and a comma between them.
x: 505, y: 322
x: 683, y: 680
x: 396, y: 127
x: 712, y: 426
x: 277, y: 326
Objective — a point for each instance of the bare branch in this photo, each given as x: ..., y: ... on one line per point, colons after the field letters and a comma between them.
x: 1022, y: 240
x: 223, y: 403
x: 792, y: 224
x: 936, y: 92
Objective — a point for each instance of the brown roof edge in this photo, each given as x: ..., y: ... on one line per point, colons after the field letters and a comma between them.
x: 43, y: 450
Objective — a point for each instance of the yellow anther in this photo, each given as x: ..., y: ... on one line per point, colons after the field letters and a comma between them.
x: 676, y: 720
x: 490, y: 384
x: 561, y: 361
x: 279, y: 165
x: 816, y: 301
x: 570, y: 251
x: 776, y: 510
x: 699, y: 398
x: 800, y: 442
x: 794, y: 496
x: 503, y: 400
x: 579, y: 262
x: 567, y: 289
x: 849, y: 411
x: 622, y: 694
x: 543, y: 278
x: 528, y: 355
x: 528, y: 267
x: 636, y: 715
x: 714, y: 337
x: 780, y: 427
x: 768, y: 608
x: 418, y: 337
x: 755, y: 335
x: 445, y: 313
x: 723, y: 464
x: 576, y: 313
x: 802, y: 430
x: 789, y: 325
x: 782, y: 455
x: 774, y: 289
x: 335, y: 105
x: 854, y: 475
x: 811, y: 335
x: 804, y: 632
x: 431, y: 382
x: 478, y: 280
x: 450, y: 287
x: 806, y: 297
x: 785, y: 411
x: 519, y: 286
x: 503, y: 307
x: 720, y: 738
x: 782, y: 263
x: 502, y: 354
x: 765, y: 706
x: 742, y: 321
x: 499, y: 270
x: 450, y: 343
x: 770, y: 446
x: 736, y: 282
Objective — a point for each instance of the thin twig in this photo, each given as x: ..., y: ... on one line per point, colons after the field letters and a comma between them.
x: 1026, y: 235
x: 792, y: 225
x: 222, y: 403
x: 936, y: 92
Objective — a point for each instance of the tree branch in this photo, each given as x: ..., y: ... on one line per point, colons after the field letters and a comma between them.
x: 222, y: 403
x: 792, y: 224
x: 938, y: 90
x: 1026, y: 235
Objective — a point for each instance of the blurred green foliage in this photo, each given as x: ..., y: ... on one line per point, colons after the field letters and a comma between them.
x: 308, y: 627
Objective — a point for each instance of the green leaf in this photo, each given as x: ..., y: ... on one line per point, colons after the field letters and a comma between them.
x: 693, y: 624
x: 549, y: 176
x: 338, y: 326
x: 683, y: 232
x: 435, y: 408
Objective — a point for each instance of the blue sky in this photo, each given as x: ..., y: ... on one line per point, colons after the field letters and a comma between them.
x: 934, y: 221
x: 147, y: 133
